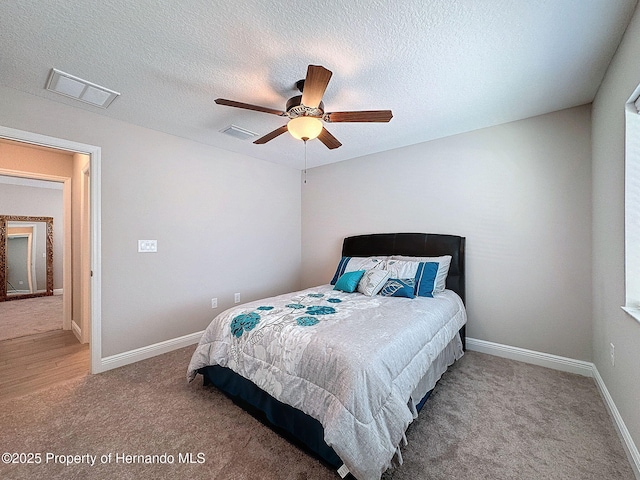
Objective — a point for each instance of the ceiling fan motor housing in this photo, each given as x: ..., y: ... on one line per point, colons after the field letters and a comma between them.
x: 296, y: 109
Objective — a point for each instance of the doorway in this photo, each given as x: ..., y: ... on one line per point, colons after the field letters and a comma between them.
x: 32, y: 280
x: 90, y: 216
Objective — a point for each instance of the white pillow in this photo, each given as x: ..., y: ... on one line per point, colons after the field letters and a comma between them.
x: 443, y: 268
x: 372, y: 281
x: 351, y: 264
x: 402, y: 268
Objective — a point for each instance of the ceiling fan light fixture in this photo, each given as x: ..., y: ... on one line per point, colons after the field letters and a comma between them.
x: 306, y: 112
x: 305, y: 128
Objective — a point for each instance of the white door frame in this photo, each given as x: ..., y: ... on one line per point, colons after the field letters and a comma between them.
x: 85, y: 254
x: 94, y: 152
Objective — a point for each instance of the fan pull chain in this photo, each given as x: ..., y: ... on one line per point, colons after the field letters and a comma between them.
x: 305, y: 161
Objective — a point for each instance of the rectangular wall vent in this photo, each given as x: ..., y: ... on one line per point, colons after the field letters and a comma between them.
x: 74, y: 87
x: 238, y: 132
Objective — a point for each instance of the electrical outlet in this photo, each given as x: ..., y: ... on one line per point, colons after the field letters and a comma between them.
x: 612, y: 353
x: 214, y: 303
x: 236, y: 298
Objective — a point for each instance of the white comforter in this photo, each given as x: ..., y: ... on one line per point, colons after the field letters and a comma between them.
x: 346, y: 359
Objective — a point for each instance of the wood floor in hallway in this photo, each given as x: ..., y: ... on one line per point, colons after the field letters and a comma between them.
x: 33, y: 362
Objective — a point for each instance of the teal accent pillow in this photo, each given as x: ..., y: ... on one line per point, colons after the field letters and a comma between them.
x: 348, y: 282
x: 396, y: 287
x: 426, y: 278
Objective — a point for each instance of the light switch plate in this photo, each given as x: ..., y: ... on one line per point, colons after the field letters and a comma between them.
x: 147, y: 246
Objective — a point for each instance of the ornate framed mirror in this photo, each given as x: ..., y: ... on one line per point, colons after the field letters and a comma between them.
x: 26, y: 257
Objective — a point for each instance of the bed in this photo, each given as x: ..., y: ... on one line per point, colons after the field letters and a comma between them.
x: 339, y: 372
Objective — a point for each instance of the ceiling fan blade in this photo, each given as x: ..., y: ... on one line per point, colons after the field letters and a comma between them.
x: 361, y: 116
x: 314, y: 85
x: 271, y: 135
x: 329, y: 140
x: 248, y: 106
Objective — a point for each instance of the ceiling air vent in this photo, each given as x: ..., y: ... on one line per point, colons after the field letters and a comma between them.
x: 238, y: 132
x: 74, y: 87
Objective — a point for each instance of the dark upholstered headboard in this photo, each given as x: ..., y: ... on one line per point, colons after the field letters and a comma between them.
x: 415, y: 245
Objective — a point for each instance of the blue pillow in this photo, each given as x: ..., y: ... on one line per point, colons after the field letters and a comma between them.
x: 426, y: 278
x: 396, y: 287
x: 344, y: 261
x: 349, y: 281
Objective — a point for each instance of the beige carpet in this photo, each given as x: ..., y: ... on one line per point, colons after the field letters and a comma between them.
x: 29, y: 316
x: 489, y: 418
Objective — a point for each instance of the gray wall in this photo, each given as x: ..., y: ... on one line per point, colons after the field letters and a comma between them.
x: 521, y: 195
x: 38, y: 202
x: 224, y: 222
x: 610, y: 323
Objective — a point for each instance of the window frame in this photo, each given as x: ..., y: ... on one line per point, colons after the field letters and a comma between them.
x: 632, y: 206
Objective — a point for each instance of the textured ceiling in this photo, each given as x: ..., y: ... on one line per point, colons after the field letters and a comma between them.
x: 442, y: 66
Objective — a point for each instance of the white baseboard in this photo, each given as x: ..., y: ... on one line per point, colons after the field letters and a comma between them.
x: 76, y: 331
x: 58, y: 291
x: 530, y: 356
x: 627, y: 441
x: 132, y: 356
x: 565, y: 364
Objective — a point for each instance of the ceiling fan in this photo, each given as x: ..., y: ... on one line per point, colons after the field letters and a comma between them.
x: 306, y: 112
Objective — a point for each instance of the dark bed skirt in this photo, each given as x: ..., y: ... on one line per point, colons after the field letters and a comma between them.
x: 296, y: 426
